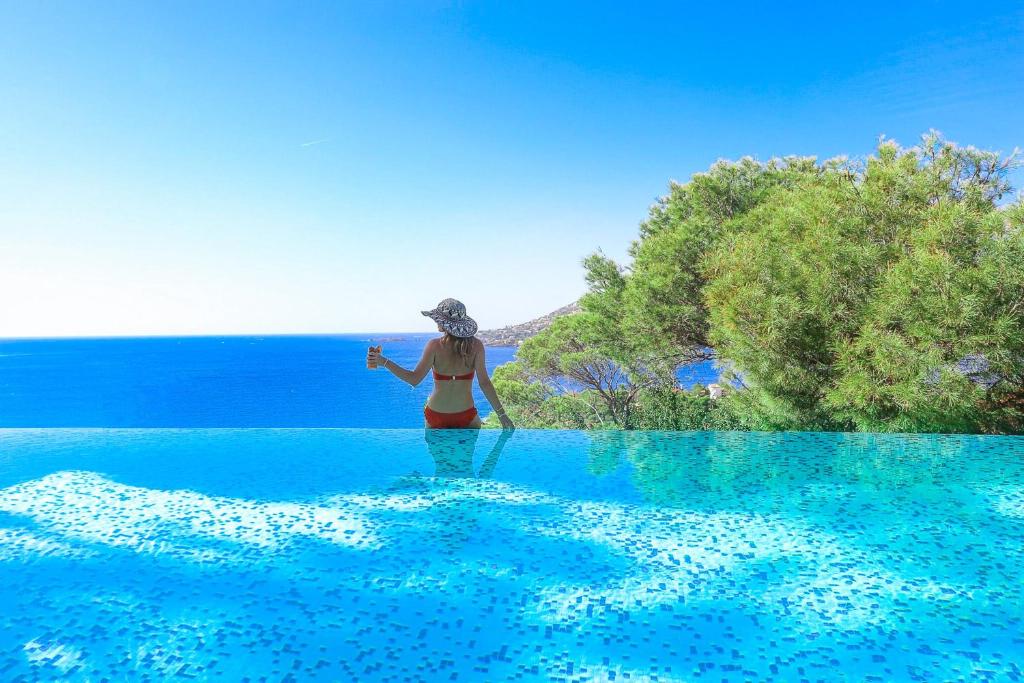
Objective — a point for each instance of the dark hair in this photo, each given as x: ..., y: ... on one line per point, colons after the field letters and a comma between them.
x: 464, y: 347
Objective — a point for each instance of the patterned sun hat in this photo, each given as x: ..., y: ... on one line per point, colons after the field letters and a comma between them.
x: 450, y: 314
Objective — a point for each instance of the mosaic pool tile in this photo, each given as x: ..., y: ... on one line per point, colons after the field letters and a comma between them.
x: 270, y: 555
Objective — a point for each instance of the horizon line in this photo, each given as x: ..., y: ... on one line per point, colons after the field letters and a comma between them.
x: 205, y: 335
x: 200, y: 335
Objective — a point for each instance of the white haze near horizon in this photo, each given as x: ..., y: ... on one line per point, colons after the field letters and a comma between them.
x: 271, y: 282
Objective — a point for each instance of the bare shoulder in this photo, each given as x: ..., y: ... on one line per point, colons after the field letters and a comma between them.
x: 479, y: 352
x: 479, y: 348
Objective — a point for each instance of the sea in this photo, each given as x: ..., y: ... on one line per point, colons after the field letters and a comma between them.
x: 234, y: 381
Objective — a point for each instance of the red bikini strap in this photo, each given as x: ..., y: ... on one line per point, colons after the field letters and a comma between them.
x: 438, y: 375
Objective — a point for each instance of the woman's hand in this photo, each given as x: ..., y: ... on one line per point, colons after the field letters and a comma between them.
x: 506, y: 421
x: 374, y: 358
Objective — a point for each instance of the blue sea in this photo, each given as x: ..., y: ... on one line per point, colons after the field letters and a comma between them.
x: 270, y: 381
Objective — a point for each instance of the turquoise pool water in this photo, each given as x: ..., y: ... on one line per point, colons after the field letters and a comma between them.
x: 387, y: 555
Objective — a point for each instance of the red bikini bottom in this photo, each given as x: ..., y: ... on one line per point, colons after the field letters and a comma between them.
x: 458, y: 420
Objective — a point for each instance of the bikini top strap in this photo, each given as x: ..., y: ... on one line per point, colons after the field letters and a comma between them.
x: 467, y: 376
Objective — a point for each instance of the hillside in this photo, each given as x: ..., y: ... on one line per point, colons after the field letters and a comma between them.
x: 513, y: 335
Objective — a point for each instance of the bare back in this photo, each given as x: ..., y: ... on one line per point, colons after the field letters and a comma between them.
x: 451, y: 396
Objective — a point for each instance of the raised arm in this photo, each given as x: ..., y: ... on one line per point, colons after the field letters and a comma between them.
x: 414, y: 376
x: 484, y: 380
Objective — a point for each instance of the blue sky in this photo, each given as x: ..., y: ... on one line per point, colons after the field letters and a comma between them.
x: 191, y: 168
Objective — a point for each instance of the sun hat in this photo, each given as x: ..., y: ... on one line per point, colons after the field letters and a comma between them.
x: 450, y: 314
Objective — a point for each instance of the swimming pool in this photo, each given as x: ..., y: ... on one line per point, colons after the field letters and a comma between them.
x: 395, y: 555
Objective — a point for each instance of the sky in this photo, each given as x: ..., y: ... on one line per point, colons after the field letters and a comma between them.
x: 258, y: 167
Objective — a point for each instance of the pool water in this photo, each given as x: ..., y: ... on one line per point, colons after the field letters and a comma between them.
x: 396, y: 555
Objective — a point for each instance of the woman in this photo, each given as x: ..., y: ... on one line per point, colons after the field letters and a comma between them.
x: 455, y: 358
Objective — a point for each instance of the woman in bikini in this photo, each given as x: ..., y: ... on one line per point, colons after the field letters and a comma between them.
x: 454, y: 358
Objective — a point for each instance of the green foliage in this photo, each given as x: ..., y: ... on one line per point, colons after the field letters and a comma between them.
x: 955, y: 294
x: 783, y: 289
x: 534, y: 402
x: 856, y: 301
x: 583, y: 370
x: 664, y: 295
x: 674, y: 410
x: 886, y: 295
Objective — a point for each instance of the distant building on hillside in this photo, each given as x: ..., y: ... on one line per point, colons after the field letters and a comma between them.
x: 514, y: 335
x: 715, y: 391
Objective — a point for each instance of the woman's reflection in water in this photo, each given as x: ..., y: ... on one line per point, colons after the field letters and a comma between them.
x: 460, y: 503
x: 453, y: 450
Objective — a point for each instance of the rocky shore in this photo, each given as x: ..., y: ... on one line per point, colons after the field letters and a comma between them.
x: 513, y: 335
